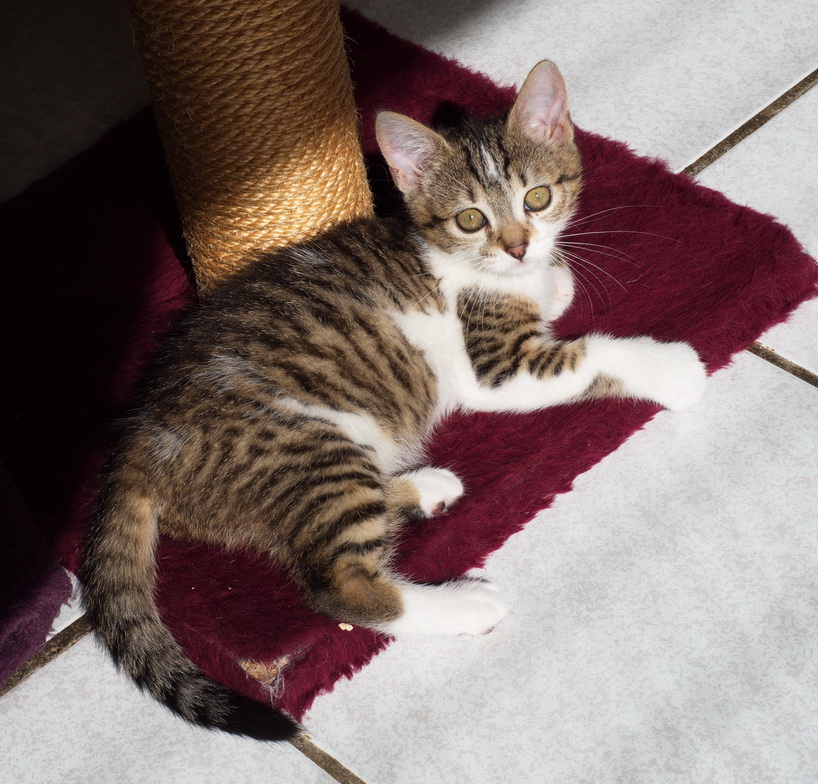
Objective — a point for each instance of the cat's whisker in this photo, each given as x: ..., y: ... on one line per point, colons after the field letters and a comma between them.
x: 581, y: 265
x: 471, y: 312
x: 484, y: 304
x: 428, y: 294
x: 583, y: 283
x: 582, y: 260
x: 578, y: 260
x: 586, y: 218
x: 615, y: 253
x: 623, y: 231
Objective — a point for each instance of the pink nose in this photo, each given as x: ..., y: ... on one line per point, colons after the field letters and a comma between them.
x: 518, y: 251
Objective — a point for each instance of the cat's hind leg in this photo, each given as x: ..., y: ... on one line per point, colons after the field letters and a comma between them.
x: 358, y: 588
x: 348, y: 570
x: 466, y: 606
x: 424, y: 492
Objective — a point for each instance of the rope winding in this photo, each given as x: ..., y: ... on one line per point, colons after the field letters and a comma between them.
x: 254, y: 102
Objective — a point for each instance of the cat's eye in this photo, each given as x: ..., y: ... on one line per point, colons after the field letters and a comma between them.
x: 538, y: 198
x: 470, y: 219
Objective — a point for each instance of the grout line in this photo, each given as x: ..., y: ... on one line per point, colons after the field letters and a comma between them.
x: 73, y: 633
x: 776, y: 359
x: 753, y: 124
x: 730, y: 141
x: 327, y: 762
x: 60, y: 642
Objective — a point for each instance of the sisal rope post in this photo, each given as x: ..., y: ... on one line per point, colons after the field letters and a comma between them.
x: 254, y: 103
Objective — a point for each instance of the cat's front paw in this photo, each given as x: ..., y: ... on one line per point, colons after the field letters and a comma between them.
x: 562, y: 291
x: 670, y: 374
x: 438, y: 489
x: 680, y: 376
x: 684, y: 377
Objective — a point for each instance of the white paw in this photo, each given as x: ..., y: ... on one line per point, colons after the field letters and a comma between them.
x: 439, y: 489
x: 670, y: 374
x: 562, y: 291
x: 684, y: 377
x: 467, y: 606
x: 480, y: 608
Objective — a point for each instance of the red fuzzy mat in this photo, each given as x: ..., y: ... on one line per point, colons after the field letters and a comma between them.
x: 92, y: 283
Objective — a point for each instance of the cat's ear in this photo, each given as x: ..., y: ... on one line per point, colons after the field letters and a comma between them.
x: 541, y: 109
x: 409, y: 148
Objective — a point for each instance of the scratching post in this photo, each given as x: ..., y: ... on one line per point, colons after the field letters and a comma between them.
x: 254, y: 102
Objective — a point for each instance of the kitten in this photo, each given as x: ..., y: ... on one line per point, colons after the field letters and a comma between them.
x: 290, y: 412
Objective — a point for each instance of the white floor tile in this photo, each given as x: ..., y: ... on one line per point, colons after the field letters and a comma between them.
x: 662, y: 628
x: 773, y: 170
x: 71, y: 611
x: 797, y: 339
x: 670, y: 78
x: 77, y: 721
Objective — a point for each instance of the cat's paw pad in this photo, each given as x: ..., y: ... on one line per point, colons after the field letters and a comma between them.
x: 438, y: 489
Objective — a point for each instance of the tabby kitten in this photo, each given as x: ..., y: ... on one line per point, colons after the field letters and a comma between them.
x: 290, y: 412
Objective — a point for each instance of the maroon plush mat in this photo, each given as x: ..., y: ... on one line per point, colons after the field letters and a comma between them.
x: 93, y: 284
x: 33, y: 586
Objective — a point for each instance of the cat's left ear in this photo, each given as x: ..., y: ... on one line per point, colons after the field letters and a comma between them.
x: 541, y: 109
x: 410, y: 148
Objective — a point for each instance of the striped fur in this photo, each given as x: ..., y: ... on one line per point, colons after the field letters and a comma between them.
x: 505, y: 336
x: 290, y: 411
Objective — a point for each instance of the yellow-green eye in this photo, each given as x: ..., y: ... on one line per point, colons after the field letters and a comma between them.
x: 470, y: 219
x: 538, y: 198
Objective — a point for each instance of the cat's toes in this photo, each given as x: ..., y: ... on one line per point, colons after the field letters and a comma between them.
x: 671, y: 374
x: 438, y: 489
x: 483, y: 607
x: 467, y: 606
x: 685, y: 379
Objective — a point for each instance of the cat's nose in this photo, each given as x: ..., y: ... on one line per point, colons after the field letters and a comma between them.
x: 518, y: 251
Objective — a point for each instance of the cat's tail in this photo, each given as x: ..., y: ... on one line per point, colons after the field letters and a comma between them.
x: 119, y: 581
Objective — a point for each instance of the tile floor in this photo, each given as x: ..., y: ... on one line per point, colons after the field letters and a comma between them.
x: 662, y: 630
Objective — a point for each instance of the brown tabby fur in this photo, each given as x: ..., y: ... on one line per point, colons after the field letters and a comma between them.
x: 229, y: 445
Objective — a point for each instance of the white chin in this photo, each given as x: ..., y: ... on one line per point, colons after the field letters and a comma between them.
x: 513, y: 268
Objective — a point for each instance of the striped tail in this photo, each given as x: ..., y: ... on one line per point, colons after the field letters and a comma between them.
x: 120, y: 577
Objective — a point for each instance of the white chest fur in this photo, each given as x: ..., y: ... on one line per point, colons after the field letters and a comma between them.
x: 440, y: 335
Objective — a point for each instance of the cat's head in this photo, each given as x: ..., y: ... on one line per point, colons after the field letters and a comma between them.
x: 491, y: 194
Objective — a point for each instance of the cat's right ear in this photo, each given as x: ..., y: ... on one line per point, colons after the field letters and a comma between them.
x: 541, y: 109
x: 410, y: 148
